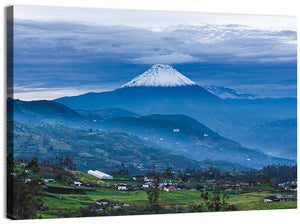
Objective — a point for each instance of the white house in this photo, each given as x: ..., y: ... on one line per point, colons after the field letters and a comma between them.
x: 122, y: 188
x: 77, y: 183
x: 145, y: 186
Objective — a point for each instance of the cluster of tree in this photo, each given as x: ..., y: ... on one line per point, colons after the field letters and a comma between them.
x: 23, y: 194
x: 168, y: 173
x: 271, y: 174
x: 24, y: 186
x: 66, y: 163
x: 212, y: 202
x: 121, y: 170
x: 189, y: 174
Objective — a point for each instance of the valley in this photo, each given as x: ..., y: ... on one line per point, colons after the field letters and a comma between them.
x: 161, y: 125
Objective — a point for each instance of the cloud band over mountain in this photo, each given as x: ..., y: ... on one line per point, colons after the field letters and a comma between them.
x: 62, y: 53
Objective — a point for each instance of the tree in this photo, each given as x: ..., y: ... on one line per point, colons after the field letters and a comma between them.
x: 216, y: 202
x: 23, y: 199
x: 69, y: 164
x: 121, y: 170
x: 33, y: 165
x: 168, y: 172
x: 153, y: 194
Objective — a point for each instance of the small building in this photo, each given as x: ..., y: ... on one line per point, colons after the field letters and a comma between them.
x: 268, y: 201
x: 169, y: 187
x: 102, y: 203
x: 122, y: 188
x: 28, y: 171
x: 279, y: 198
x: 77, y: 184
x: 246, y: 184
x: 49, y: 181
x: 138, y: 178
x: 101, y: 211
x: 117, y: 207
x: 145, y: 186
x: 285, y: 198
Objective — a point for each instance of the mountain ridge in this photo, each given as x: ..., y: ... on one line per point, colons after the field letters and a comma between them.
x: 227, y: 93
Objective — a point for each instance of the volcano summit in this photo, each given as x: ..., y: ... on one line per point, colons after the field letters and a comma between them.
x: 160, y: 75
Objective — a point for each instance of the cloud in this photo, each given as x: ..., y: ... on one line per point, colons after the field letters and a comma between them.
x: 173, y: 58
x: 45, y: 41
x: 31, y: 93
x: 150, y: 19
x: 57, y: 54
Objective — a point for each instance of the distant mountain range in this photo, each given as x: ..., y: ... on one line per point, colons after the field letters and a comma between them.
x: 227, y: 93
x: 278, y: 138
x: 153, y: 93
x: 178, y: 134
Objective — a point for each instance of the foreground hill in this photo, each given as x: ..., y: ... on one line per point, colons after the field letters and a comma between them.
x: 97, y: 150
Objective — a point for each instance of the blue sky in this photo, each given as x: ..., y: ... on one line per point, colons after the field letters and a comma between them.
x: 70, y: 51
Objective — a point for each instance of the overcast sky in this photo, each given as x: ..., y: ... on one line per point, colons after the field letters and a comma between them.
x: 69, y: 51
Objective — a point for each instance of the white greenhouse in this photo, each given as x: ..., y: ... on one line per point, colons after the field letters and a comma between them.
x: 100, y: 175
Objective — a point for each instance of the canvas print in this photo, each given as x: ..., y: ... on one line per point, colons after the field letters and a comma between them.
x: 126, y: 112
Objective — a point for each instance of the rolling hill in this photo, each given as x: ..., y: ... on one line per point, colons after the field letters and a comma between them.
x: 175, y: 133
x: 46, y: 112
x: 186, y: 136
x: 98, y: 150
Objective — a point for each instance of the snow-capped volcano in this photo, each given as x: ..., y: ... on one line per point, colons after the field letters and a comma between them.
x: 160, y: 75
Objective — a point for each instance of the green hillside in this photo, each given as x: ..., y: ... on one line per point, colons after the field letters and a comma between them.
x: 93, y: 150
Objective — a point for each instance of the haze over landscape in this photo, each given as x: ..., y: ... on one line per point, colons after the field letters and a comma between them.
x: 229, y: 76
x: 124, y: 112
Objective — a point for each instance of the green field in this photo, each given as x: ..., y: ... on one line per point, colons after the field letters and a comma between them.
x: 63, y: 203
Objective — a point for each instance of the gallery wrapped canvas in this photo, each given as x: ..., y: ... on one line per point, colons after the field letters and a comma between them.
x: 125, y: 112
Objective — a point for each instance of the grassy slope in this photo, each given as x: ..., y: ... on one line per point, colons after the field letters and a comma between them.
x: 93, y: 150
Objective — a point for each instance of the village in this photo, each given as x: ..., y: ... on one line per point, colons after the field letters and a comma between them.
x: 141, y: 182
x: 71, y: 193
